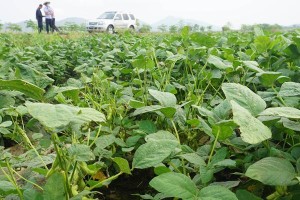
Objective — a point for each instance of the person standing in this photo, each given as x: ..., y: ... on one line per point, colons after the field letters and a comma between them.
x: 48, y: 16
x: 39, y: 18
x: 54, y: 28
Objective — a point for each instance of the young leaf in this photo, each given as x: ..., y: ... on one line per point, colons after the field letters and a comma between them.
x: 272, y: 171
x: 175, y: 185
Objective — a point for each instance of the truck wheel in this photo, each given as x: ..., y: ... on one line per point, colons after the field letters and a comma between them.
x: 110, y: 29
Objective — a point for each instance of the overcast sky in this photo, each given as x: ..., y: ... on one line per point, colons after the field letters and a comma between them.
x: 216, y: 12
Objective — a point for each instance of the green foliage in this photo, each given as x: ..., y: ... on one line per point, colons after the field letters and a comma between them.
x: 145, y: 28
x: 14, y: 27
x: 197, y: 115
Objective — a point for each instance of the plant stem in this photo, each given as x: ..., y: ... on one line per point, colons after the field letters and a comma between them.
x: 214, y: 146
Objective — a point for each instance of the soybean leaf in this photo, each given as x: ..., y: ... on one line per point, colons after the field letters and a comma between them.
x: 81, y: 152
x: 268, y: 78
x: 105, y: 140
x: 272, y: 171
x: 166, y: 99
x: 194, y: 159
x: 160, y: 136
x: 26, y: 88
x: 252, y: 130
x: 58, y: 117
x: 54, y: 187
x: 287, y: 112
x: 290, y: 89
x: 7, y: 188
x: 253, y: 66
x: 293, y: 125
x: 175, y: 185
x: 244, y: 97
x: 123, y: 164
x: 152, y: 153
x: 216, y: 192
x: 245, y: 195
x: 219, y: 62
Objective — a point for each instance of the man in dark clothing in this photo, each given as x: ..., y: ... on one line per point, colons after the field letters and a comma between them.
x: 39, y: 18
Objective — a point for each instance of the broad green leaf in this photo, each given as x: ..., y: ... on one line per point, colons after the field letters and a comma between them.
x: 54, y: 187
x: 6, y: 101
x: 293, y: 125
x: 81, y: 152
x: 289, y: 89
x: 175, y: 185
x: 268, y: 78
x: 216, y: 192
x: 26, y: 88
x: 253, y: 66
x: 31, y: 75
x: 194, y: 159
x: 166, y: 99
x: 152, y: 153
x: 7, y: 188
x: 161, y: 170
x: 252, y: 130
x: 32, y: 194
x: 122, y: 164
x: 226, y: 184
x: 168, y: 112
x: 219, y: 62
x: 245, y: 195
x: 147, y: 126
x: 225, y: 163
x: 161, y: 135
x: 58, y: 117
x: 244, y: 97
x: 146, y: 109
x: 136, y: 104
x: 223, y: 131
x: 105, y: 140
x: 272, y: 171
x: 143, y: 63
x: 287, y: 112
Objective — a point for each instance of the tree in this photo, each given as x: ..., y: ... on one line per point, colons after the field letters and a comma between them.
x: 162, y: 28
x: 196, y: 28
x: 202, y: 28
x: 14, y: 27
x: 173, y: 29
x: 145, y: 28
x: 209, y: 27
x: 1, y: 26
x: 31, y: 24
x: 227, y: 27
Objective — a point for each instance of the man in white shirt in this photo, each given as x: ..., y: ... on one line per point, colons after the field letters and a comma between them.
x: 48, y: 16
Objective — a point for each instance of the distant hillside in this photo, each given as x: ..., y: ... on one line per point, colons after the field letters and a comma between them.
x: 62, y: 22
x: 74, y: 20
x: 169, y: 21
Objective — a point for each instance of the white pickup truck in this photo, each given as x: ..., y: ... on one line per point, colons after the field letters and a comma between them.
x: 111, y: 21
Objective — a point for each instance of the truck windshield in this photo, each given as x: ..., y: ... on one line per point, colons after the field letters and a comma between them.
x: 107, y: 15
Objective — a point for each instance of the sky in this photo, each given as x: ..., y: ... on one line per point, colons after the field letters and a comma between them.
x: 215, y: 12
